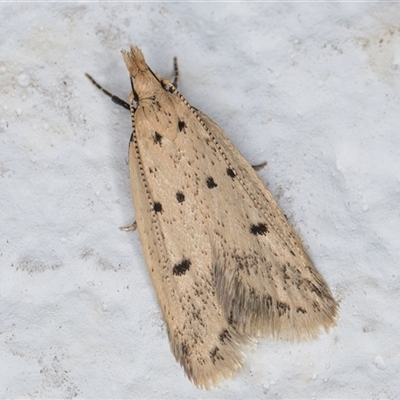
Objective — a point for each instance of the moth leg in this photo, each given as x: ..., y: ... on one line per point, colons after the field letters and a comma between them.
x: 114, y: 98
x: 259, y: 166
x: 129, y: 228
x: 172, y: 86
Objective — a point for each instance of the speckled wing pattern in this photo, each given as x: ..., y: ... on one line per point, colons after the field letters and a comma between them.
x: 224, y: 262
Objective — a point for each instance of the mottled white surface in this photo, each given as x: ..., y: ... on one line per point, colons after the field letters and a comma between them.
x: 311, y: 88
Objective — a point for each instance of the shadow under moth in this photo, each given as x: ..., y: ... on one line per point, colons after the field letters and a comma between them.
x: 224, y: 262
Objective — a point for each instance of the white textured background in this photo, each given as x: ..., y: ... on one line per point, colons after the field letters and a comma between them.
x: 311, y: 88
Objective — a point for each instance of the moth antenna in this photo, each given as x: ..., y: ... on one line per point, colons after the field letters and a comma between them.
x: 176, y: 72
x: 117, y: 100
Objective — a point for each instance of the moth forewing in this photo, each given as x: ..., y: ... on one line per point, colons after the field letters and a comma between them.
x: 224, y: 262
x: 176, y: 246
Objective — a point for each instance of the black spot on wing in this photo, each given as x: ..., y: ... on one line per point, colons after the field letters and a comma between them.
x: 181, y: 125
x: 231, y: 320
x: 184, y: 348
x: 157, y: 138
x: 230, y: 172
x: 282, y: 308
x: 225, y: 336
x: 259, y: 229
x: 180, y: 197
x: 214, y: 355
x: 267, y: 302
x: 316, y: 306
x: 157, y: 207
x: 181, y: 268
x: 211, y: 183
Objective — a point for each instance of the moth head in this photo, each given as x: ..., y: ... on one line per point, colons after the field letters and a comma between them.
x: 144, y: 81
x: 134, y: 61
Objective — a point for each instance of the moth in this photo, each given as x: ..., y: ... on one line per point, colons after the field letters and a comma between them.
x: 224, y: 262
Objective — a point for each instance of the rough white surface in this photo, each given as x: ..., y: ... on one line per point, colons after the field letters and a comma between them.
x: 314, y: 89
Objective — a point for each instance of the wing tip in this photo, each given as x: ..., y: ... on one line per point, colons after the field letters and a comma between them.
x: 220, y: 358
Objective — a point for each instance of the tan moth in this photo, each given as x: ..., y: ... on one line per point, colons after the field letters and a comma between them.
x: 224, y: 262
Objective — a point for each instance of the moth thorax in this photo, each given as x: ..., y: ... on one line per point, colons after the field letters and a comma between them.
x: 147, y: 87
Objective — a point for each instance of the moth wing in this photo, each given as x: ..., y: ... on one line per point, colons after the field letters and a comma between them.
x: 266, y: 282
x: 178, y: 253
